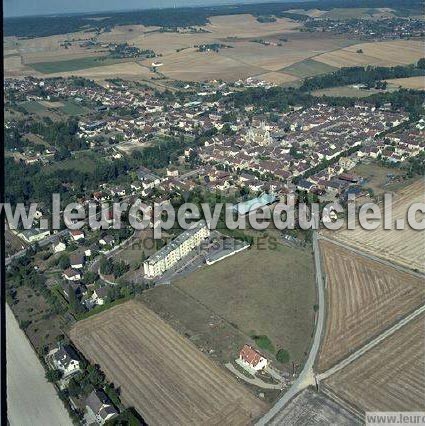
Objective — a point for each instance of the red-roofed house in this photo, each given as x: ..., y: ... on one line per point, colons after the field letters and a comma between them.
x: 251, y: 358
x: 77, y: 234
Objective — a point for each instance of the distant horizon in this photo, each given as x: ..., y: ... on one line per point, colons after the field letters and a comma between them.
x: 11, y: 10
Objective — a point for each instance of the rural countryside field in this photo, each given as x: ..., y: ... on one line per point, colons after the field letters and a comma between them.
x: 364, y: 298
x: 161, y: 373
x: 277, y: 52
x: 390, y: 377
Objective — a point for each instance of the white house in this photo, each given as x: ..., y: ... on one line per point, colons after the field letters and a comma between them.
x: 71, y: 275
x: 77, y: 234
x: 252, y: 359
x: 65, y: 359
x: 99, y: 407
x: 59, y: 247
x: 99, y: 296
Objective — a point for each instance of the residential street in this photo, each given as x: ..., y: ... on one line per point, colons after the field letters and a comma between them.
x: 31, y: 400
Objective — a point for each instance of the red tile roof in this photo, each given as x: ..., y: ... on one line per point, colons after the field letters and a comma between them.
x: 250, y: 355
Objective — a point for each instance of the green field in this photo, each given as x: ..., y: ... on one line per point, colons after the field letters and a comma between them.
x: 308, y: 68
x: 348, y: 13
x: 72, y: 108
x: 33, y: 107
x: 345, y: 92
x: 266, y: 293
x: 72, y: 64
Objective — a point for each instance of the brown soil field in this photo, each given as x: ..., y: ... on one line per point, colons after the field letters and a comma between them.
x: 159, y: 372
x: 261, y: 291
x: 312, y: 408
x: 198, y: 66
x: 390, y: 377
x: 408, y: 83
x: 405, y: 247
x: 277, y: 77
x: 128, y: 70
x: 363, y: 298
x: 387, y: 53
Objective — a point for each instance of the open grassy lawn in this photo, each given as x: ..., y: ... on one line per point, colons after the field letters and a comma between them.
x: 376, y: 176
x: 308, y: 68
x: 71, y: 65
x: 267, y: 293
x: 72, y: 108
x: 346, y: 92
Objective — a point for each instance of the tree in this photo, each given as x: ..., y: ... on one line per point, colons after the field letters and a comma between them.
x: 283, y: 356
x: 421, y: 64
x: 53, y: 375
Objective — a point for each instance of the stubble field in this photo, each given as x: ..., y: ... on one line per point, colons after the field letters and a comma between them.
x: 405, y: 247
x: 364, y: 298
x: 390, y: 377
x: 159, y: 372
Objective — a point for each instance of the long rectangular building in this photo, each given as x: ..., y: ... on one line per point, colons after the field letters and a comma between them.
x: 180, y: 247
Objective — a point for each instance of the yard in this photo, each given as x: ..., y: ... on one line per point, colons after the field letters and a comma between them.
x: 266, y: 292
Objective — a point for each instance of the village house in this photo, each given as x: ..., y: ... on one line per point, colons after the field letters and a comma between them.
x: 65, y: 359
x: 99, y: 407
x: 71, y: 275
x: 252, y: 359
x: 107, y: 240
x: 59, y: 247
x: 77, y: 234
x: 100, y: 295
x: 76, y: 261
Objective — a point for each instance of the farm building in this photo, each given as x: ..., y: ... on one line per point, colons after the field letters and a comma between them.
x: 252, y: 359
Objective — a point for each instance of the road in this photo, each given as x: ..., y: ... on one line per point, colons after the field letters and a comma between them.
x: 254, y: 380
x: 371, y: 344
x: 306, y: 378
x: 374, y: 258
x: 31, y: 399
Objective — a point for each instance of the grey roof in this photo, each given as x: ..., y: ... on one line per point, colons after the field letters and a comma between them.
x: 65, y: 355
x: 161, y: 254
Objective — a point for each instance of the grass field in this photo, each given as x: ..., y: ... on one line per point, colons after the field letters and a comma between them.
x: 405, y: 247
x: 159, y: 372
x: 390, y: 377
x: 308, y: 68
x: 71, y: 65
x: 263, y: 292
x: 42, y: 329
x: 363, y: 298
x: 408, y: 83
x: 211, y: 333
x: 376, y: 175
x: 345, y: 91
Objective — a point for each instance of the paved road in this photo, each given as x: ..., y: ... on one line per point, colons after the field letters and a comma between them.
x: 31, y: 400
x: 372, y: 257
x: 306, y: 378
x: 371, y: 344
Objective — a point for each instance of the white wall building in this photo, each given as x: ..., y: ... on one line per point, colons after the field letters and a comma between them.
x: 169, y: 255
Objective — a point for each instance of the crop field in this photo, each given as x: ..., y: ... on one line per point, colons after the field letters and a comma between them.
x: 263, y: 292
x: 408, y: 83
x: 405, y: 247
x: 310, y: 408
x: 386, y: 53
x: 390, y: 377
x: 363, y: 298
x: 71, y: 65
x: 345, y: 91
x: 159, y: 372
x: 308, y: 68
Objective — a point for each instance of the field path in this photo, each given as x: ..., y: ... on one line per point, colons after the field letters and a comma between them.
x: 31, y: 400
x: 371, y: 344
x: 372, y: 257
